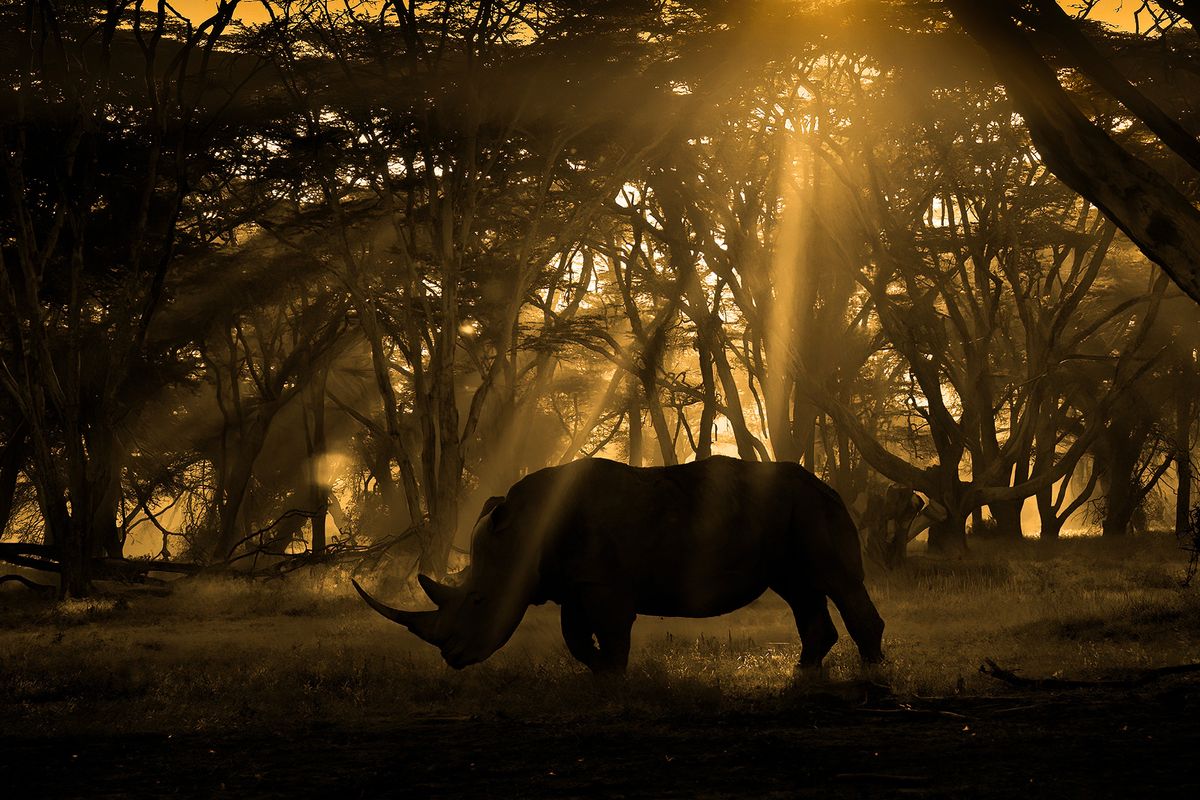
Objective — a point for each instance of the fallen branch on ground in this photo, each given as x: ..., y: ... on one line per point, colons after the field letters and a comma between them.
x: 37, y: 587
x: 136, y: 570
x: 32, y: 556
x: 993, y: 670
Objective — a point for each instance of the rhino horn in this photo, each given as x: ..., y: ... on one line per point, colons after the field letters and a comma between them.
x: 439, y: 593
x: 422, y: 623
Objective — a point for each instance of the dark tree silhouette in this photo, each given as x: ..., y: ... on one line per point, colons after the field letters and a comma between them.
x: 1133, y: 187
x: 102, y: 110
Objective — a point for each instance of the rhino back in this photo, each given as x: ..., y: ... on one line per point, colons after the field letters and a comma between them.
x: 695, y: 539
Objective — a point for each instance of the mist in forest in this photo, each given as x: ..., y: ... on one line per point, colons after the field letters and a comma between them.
x: 300, y: 297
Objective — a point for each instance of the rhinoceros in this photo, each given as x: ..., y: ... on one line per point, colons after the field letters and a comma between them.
x: 607, y: 541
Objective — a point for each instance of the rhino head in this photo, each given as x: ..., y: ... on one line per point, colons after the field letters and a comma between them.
x: 475, y: 618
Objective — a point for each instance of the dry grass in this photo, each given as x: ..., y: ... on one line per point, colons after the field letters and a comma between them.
x: 217, y: 654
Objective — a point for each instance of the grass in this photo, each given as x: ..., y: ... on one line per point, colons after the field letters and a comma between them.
x: 219, y: 654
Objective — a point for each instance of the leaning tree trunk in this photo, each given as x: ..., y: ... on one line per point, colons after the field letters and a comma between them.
x: 747, y: 445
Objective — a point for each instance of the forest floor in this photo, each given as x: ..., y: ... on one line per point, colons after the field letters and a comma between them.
x: 225, y: 688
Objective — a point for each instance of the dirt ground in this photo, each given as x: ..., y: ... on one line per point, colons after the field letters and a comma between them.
x: 850, y: 740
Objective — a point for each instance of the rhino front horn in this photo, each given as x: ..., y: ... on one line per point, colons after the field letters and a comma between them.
x: 439, y: 593
x: 422, y: 623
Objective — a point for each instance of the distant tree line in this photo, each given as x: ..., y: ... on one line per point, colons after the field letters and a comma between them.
x: 372, y: 262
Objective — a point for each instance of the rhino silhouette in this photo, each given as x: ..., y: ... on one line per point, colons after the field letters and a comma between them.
x: 607, y: 541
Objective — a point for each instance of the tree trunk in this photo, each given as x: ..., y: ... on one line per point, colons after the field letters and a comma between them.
x: 1118, y: 518
x: 1045, y: 449
x: 949, y: 537
x: 12, y: 460
x: 76, y: 561
x: 658, y: 419
x: 234, y: 488
x: 1051, y: 524
x: 1183, y: 462
x: 708, y: 411
x: 746, y: 443
x: 1007, y: 515
x: 804, y: 430
x: 104, y: 493
x: 780, y: 430
x: 635, y: 425
x: 318, y: 489
x: 1121, y: 495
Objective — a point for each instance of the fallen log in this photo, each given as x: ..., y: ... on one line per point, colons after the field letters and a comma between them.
x: 33, y: 556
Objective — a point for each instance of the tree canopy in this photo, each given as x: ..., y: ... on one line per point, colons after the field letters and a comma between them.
x: 316, y: 287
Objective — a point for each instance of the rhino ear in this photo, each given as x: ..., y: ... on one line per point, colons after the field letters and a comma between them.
x: 439, y: 593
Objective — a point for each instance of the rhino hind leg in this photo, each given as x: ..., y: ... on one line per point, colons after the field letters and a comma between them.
x: 817, y: 632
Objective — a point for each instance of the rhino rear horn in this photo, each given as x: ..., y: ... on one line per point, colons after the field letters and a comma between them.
x: 422, y: 623
x: 439, y: 593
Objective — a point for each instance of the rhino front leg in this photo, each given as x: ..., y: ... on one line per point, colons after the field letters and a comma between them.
x: 862, y: 620
x: 577, y: 633
x: 609, y: 611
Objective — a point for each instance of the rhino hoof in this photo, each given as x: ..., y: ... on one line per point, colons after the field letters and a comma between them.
x: 810, y: 673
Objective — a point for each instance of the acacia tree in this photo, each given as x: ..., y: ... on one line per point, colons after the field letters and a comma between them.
x: 260, y: 363
x: 968, y: 286
x: 455, y: 166
x: 101, y: 108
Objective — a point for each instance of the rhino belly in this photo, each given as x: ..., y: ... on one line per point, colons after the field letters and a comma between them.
x: 701, y: 595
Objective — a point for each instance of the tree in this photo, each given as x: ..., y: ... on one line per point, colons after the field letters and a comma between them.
x: 100, y: 109
x: 1134, y: 187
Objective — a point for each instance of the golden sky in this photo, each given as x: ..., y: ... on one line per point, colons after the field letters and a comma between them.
x: 248, y: 10
x: 1116, y: 12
